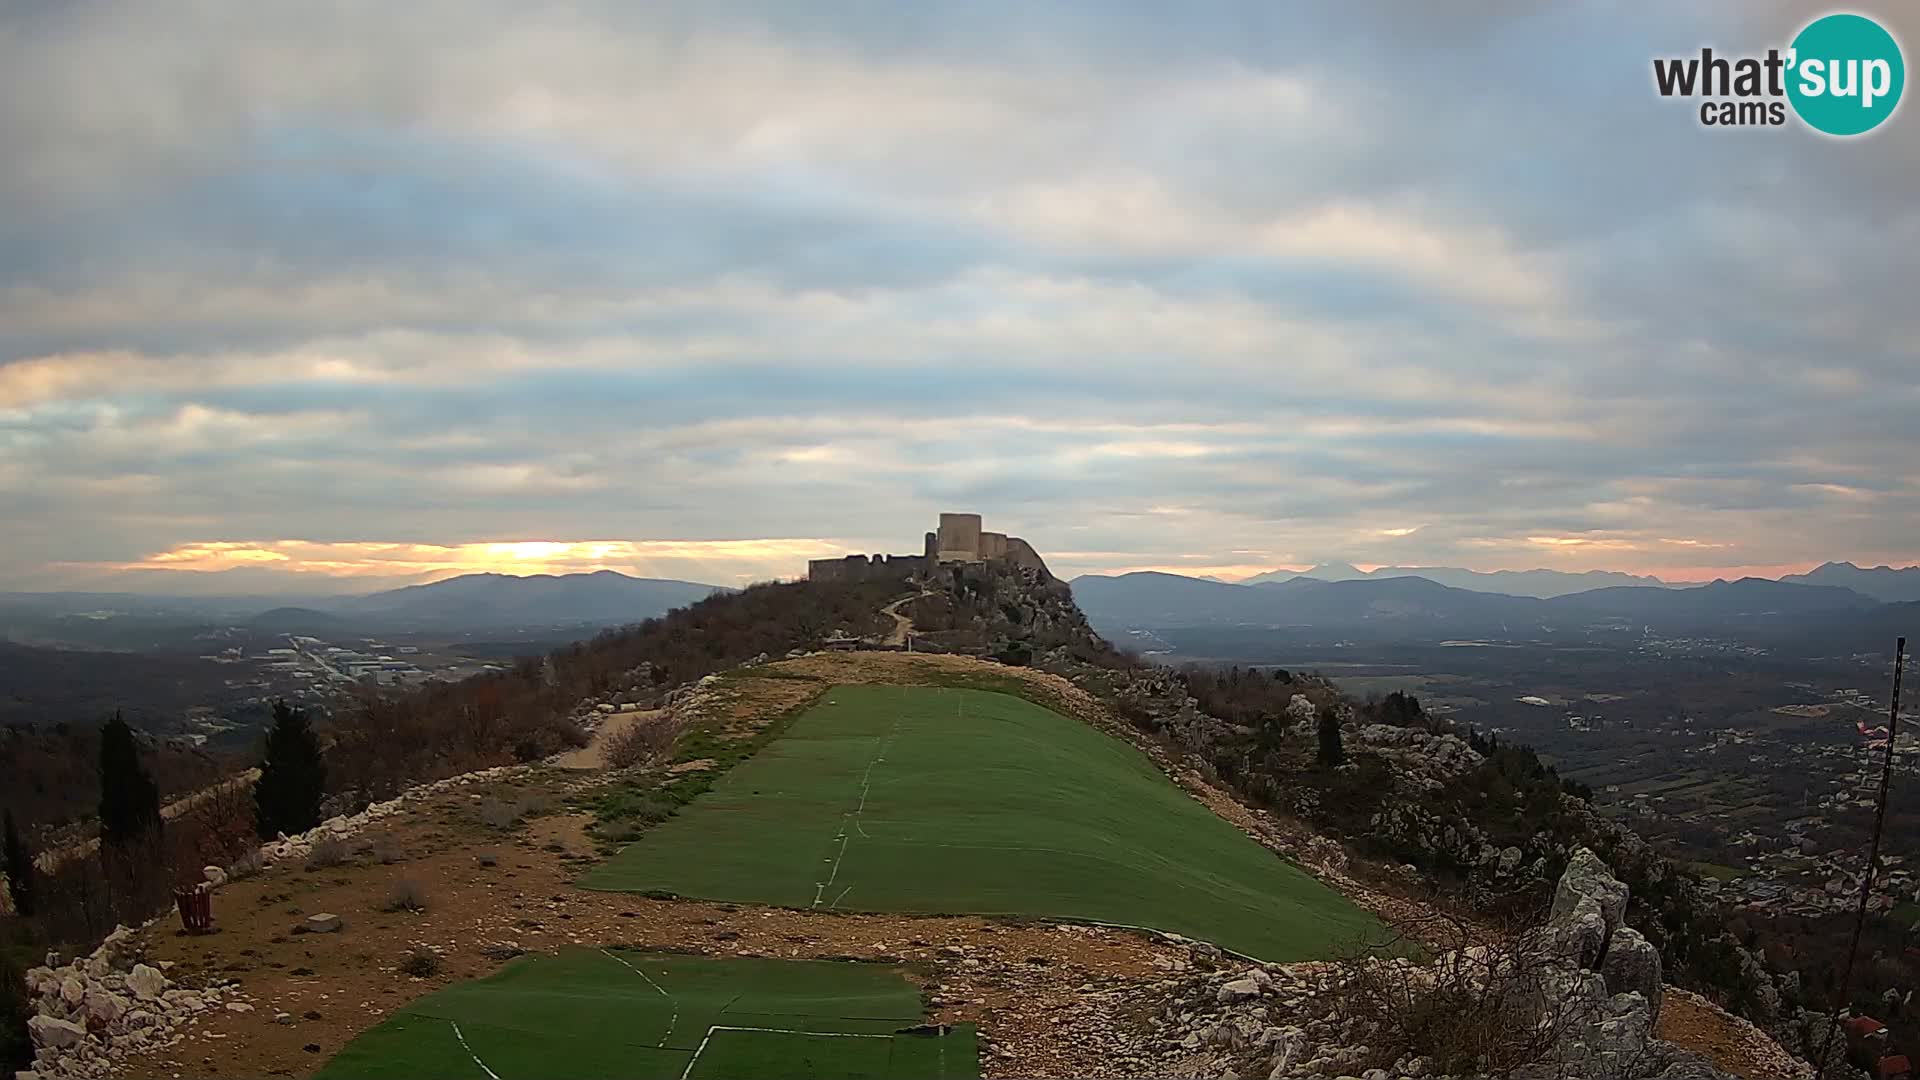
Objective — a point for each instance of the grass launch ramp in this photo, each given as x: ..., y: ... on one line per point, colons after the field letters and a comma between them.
x: 590, y: 1014
x: 936, y: 800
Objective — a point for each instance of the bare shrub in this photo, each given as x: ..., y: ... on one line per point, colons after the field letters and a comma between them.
x: 329, y: 852
x: 406, y: 894
x: 502, y: 813
x: 498, y: 813
x: 249, y: 863
x: 421, y: 963
x: 215, y: 829
x: 642, y: 742
x: 386, y: 848
x: 1487, y: 1007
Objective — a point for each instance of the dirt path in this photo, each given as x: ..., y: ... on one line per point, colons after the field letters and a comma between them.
x: 902, y: 624
x: 1734, y: 1045
x: 594, y: 754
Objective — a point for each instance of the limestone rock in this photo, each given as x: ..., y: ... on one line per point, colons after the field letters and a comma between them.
x: 53, y: 1033
x: 323, y: 923
x: 1632, y: 964
x: 1238, y: 990
x: 104, y: 1007
x: 145, y: 982
x: 1587, y: 876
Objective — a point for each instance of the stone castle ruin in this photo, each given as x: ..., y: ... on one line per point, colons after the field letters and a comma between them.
x: 959, y: 539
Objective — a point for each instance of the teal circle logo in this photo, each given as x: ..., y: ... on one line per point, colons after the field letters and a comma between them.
x: 1846, y: 74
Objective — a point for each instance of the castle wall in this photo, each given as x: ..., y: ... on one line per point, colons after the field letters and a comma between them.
x: 1021, y: 553
x: 993, y: 545
x: 862, y: 568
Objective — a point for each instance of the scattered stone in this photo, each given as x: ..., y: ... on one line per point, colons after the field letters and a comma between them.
x: 55, y: 1034
x: 322, y: 923
x: 145, y: 982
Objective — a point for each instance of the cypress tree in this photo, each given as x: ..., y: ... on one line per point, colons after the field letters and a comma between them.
x: 293, y: 778
x: 1332, y: 753
x: 129, y: 799
x: 20, y: 871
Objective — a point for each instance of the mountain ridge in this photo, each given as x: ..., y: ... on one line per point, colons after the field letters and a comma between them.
x: 1143, y: 600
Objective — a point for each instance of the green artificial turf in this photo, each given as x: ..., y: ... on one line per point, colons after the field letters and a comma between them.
x: 587, y: 1014
x: 923, y: 799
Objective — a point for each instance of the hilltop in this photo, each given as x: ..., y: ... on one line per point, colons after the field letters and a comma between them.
x: 731, y: 702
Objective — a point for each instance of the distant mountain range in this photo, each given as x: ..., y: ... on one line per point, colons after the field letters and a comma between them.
x: 604, y: 597
x: 1541, y: 584
x: 1881, y: 583
x: 471, y: 602
x: 1416, y: 606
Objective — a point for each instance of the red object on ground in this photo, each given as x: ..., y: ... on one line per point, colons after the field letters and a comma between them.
x: 1862, y: 1027
x: 196, y: 908
x: 1893, y: 1067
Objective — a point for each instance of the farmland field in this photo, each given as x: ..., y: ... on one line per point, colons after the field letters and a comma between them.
x: 590, y: 1014
x: 922, y: 799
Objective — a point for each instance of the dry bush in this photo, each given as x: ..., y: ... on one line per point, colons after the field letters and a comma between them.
x: 496, y: 812
x: 642, y: 742
x: 1486, y: 1007
x: 249, y: 863
x: 406, y: 894
x: 217, y: 829
x: 386, y: 848
x: 420, y: 962
x: 329, y: 852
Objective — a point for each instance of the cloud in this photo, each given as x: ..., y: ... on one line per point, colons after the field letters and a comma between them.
x: 1228, y: 290
x: 727, y: 561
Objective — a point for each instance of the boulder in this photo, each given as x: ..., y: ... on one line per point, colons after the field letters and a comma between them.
x: 1587, y: 876
x: 214, y: 876
x: 1238, y: 990
x: 145, y: 983
x: 55, y: 1034
x: 323, y: 923
x: 104, y: 1007
x: 73, y: 991
x: 1580, y: 934
x: 1632, y: 964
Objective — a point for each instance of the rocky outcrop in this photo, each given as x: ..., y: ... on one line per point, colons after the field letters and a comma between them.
x: 93, y: 1013
x: 1422, y: 759
x: 1580, y: 995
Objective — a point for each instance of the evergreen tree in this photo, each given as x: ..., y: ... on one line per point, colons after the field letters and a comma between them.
x: 293, y: 779
x: 20, y: 871
x: 129, y: 799
x: 16, y: 1007
x: 1332, y: 753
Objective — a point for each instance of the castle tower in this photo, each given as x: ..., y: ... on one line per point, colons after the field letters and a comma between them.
x: 959, y: 538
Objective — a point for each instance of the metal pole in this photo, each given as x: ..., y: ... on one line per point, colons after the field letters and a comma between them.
x: 1873, y: 854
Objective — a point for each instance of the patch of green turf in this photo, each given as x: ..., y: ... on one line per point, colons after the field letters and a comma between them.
x: 592, y: 1014
x: 922, y: 799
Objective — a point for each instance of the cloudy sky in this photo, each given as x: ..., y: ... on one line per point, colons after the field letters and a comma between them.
x: 363, y: 292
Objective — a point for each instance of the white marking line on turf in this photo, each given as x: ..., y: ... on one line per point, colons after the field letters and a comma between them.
x: 684, y: 1073
x: 663, y: 993
x: 866, y: 784
x: 470, y: 1053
